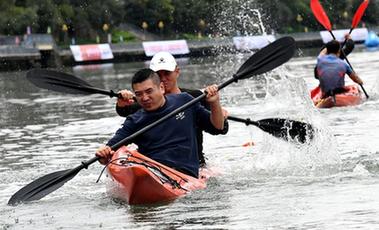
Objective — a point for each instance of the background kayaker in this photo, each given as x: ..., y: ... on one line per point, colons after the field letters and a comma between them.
x: 173, y: 142
x: 347, y: 49
x: 331, y: 70
x: 165, y: 65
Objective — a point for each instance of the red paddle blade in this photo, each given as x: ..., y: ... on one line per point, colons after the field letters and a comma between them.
x: 320, y: 14
x: 358, y: 15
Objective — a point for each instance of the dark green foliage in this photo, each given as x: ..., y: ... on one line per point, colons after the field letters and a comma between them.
x: 85, y: 18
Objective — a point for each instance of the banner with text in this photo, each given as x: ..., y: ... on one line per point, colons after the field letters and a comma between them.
x: 359, y: 34
x: 175, y: 47
x: 93, y: 52
x: 247, y: 43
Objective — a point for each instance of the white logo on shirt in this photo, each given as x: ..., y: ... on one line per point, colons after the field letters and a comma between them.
x: 180, y: 116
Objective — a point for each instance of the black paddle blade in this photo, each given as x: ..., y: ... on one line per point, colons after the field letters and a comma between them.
x: 268, y: 58
x: 42, y: 186
x: 58, y: 81
x: 287, y: 129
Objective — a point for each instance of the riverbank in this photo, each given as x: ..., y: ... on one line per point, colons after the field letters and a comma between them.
x: 41, y: 51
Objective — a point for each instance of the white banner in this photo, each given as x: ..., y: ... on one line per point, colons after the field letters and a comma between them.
x: 175, y: 47
x: 252, y: 42
x: 359, y: 34
x: 93, y: 52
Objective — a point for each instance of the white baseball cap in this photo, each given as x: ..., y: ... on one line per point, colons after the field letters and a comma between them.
x: 163, y: 61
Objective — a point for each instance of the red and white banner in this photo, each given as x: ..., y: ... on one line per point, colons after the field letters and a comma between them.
x: 93, y: 52
x: 359, y: 34
x: 174, y: 47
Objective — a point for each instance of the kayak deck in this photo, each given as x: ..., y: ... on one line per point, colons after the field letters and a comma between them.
x: 138, y: 179
x: 352, y: 96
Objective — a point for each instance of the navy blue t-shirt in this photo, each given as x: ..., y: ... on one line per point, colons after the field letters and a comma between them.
x: 173, y: 142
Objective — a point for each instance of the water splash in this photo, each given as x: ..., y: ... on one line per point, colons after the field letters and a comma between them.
x: 274, y: 94
x: 234, y: 18
x: 237, y: 17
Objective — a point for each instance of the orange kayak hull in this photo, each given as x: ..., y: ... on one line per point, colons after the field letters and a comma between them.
x: 140, y: 180
x: 352, y: 96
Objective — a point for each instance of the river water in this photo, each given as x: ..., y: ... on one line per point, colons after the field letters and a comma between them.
x: 331, y: 182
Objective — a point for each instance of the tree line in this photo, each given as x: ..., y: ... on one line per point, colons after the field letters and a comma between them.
x: 172, y: 18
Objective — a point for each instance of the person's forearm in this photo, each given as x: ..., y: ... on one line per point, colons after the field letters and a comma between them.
x: 349, y: 47
x: 356, y: 78
x: 217, y: 117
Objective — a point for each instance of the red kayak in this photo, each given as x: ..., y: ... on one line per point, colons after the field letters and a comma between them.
x: 352, y: 96
x: 138, y: 179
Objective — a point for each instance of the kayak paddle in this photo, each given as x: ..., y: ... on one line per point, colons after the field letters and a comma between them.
x: 266, y: 59
x: 323, y: 19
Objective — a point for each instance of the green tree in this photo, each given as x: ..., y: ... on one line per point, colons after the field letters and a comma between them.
x: 287, y: 15
x: 86, y: 18
x: 15, y: 19
x: 49, y: 16
x: 150, y: 11
x: 187, y: 14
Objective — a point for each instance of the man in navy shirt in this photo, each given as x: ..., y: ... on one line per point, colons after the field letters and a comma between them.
x: 164, y: 64
x: 173, y: 142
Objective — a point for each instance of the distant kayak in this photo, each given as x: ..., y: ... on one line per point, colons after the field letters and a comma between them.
x: 352, y: 96
x: 138, y: 179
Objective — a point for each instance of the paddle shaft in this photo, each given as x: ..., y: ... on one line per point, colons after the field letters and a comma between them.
x: 246, y: 121
x: 94, y: 90
x: 101, y: 91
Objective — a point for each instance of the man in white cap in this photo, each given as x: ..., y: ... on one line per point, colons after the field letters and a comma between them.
x: 165, y: 65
